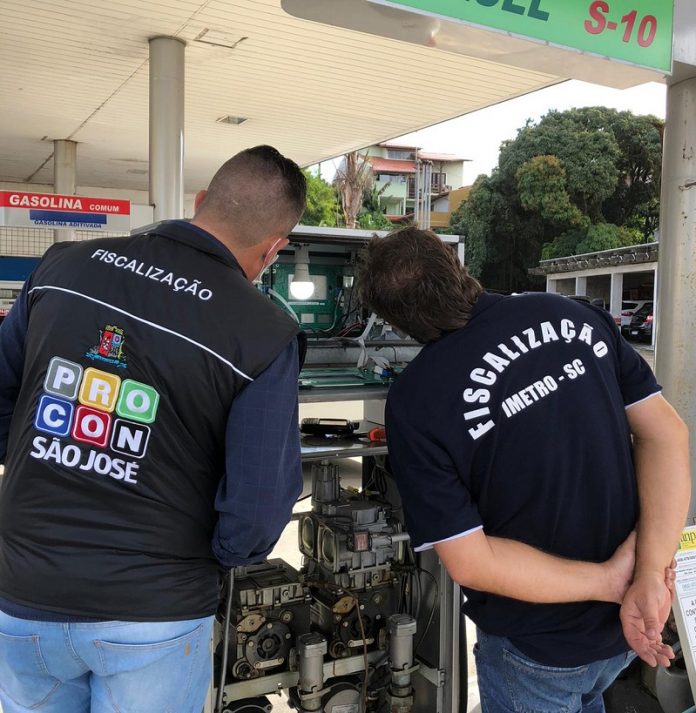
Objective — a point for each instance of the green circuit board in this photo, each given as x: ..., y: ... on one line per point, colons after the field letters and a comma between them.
x: 319, y: 311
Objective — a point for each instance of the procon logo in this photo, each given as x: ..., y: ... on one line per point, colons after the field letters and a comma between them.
x: 96, y: 408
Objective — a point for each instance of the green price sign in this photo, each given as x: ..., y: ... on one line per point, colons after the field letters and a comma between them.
x: 634, y: 31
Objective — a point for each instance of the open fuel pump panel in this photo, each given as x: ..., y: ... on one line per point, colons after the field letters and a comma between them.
x: 365, y: 625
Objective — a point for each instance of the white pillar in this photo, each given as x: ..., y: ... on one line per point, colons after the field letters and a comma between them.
x: 551, y: 286
x: 675, y: 356
x: 64, y: 178
x: 616, y: 294
x: 416, y: 202
x: 167, y: 127
x: 580, y: 285
x: 655, y: 305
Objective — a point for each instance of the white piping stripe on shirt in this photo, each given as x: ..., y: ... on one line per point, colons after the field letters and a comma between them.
x: 145, y: 321
x: 640, y: 401
x: 429, y: 545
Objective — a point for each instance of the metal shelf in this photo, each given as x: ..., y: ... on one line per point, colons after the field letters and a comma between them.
x: 318, y: 448
x: 367, y: 393
x: 342, y: 449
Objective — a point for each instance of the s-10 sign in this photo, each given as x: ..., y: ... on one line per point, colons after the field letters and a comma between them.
x: 635, y: 31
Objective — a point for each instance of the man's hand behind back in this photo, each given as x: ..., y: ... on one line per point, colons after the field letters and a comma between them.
x: 644, y: 611
x: 620, y: 569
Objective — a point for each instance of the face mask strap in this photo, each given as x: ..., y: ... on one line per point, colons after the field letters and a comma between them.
x: 274, y: 258
x: 265, y: 266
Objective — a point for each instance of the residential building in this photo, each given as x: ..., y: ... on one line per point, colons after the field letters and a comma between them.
x: 445, y: 204
x: 394, y: 168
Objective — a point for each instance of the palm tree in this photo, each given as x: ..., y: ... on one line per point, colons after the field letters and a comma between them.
x: 353, y: 178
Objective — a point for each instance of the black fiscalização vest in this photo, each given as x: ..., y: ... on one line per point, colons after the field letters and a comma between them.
x: 136, y: 348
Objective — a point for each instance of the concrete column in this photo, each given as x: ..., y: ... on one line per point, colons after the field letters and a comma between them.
x: 461, y: 253
x: 656, y: 282
x: 167, y: 127
x: 580, y: 285
x: 552, y: 286
x: 416, y: 202
x: 616, y: 294
x: 675, y: 356
x: 64, y: 178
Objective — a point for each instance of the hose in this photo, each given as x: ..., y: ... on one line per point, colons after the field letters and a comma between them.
x: 225, y: 644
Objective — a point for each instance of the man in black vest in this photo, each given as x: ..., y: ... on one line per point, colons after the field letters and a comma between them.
x: 148, y: 428
x: 528, y: 440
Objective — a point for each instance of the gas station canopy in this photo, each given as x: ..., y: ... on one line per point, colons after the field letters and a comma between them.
x: 78, y: 70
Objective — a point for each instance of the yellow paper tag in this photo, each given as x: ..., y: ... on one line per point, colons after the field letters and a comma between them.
x: 688, y: 540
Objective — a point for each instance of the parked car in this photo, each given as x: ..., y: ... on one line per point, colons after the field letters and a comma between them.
x: 596, y: 301
x: 641, y: 326
x: 628, y: 309
x: 600, y: 302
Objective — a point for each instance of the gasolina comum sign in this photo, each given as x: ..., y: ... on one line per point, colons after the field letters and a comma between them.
x: 635, y: 31
x: 51, y: 210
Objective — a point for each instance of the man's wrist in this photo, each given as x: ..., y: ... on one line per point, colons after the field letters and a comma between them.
x: 613, y: 583
x: 610, y: 586
x: 648, y: 563
x: 648, y: 572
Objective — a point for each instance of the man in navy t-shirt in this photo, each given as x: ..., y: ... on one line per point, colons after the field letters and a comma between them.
x: 528, y: 441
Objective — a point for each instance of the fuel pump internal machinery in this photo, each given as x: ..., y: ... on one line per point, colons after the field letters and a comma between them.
x: 362, y: 624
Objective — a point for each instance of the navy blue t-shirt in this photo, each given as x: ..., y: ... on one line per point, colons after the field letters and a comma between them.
x: 517, y: 424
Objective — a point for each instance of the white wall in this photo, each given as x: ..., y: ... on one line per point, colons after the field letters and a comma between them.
x: 455, y: 174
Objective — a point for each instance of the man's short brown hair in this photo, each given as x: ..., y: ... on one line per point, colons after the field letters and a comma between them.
x: 259, y: 193
x: 415, y: 281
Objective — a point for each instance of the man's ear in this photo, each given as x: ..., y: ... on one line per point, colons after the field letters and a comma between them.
x: 198, y: 200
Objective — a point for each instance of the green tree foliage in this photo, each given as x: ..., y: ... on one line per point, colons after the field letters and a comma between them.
x: 502, y: 240
x: 597, y: 237
x: 578, y: 181
x: 543, y: 189
x: 322, y: 202
x: 374, y: 221
x: 371, y: 216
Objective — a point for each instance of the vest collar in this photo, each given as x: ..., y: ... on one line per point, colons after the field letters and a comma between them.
x: 185, y: 232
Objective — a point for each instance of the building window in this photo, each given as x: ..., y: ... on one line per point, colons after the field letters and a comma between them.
x: 401, y: 155
x: 438, y: 183
x: 391, y: 178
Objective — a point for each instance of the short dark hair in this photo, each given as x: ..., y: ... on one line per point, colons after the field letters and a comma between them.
x: 258, y: 192
x: 417, y: 283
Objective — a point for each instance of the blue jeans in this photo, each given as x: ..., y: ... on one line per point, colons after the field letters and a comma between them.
x: 110, y: 666
x: 510, y: 682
